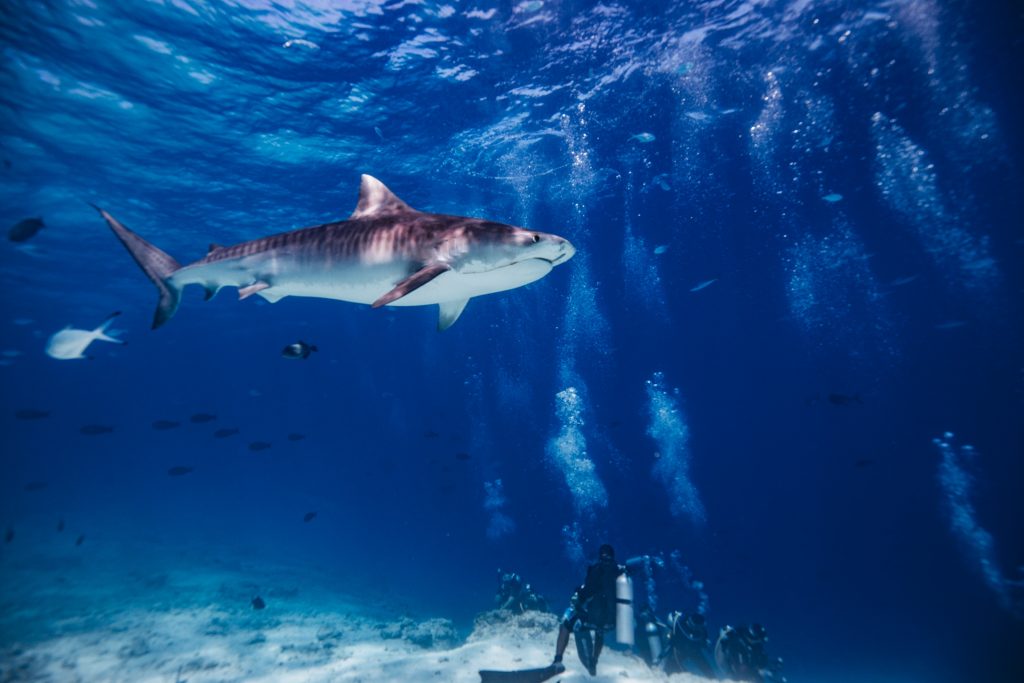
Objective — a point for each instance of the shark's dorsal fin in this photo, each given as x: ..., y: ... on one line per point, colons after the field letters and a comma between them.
x: 214, y: 247
x: 375, y: 199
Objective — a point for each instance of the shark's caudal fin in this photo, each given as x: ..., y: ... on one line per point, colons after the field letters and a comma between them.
x: 158, y: 266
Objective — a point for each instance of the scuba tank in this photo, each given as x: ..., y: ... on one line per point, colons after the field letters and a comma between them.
x: 624, y: 609
x: 653, y: 634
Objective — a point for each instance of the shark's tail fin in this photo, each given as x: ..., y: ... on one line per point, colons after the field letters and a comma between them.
x: 158, y: 265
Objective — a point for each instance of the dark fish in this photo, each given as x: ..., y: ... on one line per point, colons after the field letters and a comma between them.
x: 257, y: 603
x: 430, y: 434
x: 462, y: 456
x: 31, y: 414
x: 259, y: 446
x: 226, y: 432
x: 843, y: 399
x: 179, y: 470
x: 60, y: 525
x: 166, y: 424
x: 93, y: 430
x: 25, y: 229
x: 9, y: 536
x: 298, y: 350
x: 80, y: 540
x: 295, y: 436
x: 308, y: 517
x: 864, y: 462
x: 200, y: 418
x: 35, y: 486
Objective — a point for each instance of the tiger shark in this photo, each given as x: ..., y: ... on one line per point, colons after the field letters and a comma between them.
x: 385, y: 254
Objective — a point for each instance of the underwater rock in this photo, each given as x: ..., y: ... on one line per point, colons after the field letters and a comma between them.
x: 498, y: 623
x: 257, y: 603
x: 139, y: 647
x: 431, y: 633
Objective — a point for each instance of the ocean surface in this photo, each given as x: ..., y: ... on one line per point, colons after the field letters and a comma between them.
x: 787, y: 357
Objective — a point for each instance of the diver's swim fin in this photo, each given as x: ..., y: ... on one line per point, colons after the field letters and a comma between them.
x: 521, y: 676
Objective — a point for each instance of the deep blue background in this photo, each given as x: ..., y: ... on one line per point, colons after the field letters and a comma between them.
x: 854, y: 569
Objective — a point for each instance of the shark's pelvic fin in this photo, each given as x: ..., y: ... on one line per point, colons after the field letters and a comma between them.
x: 249, y: 290
x: 412, y: 283
x: 375, y: 199
x: 157, y: 265
x: 210, y: 291
x: 449, y: 312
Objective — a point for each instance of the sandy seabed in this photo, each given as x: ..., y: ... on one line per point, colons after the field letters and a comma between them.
x: 66, y: 620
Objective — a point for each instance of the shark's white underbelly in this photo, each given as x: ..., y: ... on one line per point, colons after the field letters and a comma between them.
x: 359, y: 284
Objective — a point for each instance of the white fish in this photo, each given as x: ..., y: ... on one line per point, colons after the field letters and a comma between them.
x: 660, y: 249
x: 833, y: 198
x: 301, y: 42
x: 951, y: 324
x: 704, y: 285
x: 643, y: 137
x: 69, y: 343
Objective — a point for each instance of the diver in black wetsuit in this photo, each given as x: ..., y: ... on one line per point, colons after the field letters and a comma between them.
x: 688, y: 645
x: 592, y: 607
x: 740, y: 654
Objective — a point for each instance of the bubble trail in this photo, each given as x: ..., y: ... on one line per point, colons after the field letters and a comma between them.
x: 568, y: 453
x: 977, y: 543
x: 494, y: 503
x: 668, y: 428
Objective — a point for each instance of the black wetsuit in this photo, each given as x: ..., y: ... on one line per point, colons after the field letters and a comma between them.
x: 595, y: 599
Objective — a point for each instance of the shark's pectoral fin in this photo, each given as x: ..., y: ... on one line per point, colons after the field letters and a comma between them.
x: 449, y: 312
x: 249, y: 290
x: 412, y: 283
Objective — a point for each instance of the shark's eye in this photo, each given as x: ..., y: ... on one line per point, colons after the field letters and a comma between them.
x: 536, y: 238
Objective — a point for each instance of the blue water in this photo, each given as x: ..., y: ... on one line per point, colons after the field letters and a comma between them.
x: 799, y: 266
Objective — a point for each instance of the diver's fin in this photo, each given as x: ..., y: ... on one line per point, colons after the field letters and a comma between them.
x: 449, y: 312
x: 249, y: 290
x: 521, y: 676
x: 158, y: 266
x: 412, y: 283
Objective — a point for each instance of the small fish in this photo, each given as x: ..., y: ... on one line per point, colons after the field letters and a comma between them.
x: 643, y: 137
x: 430, y: 434
x: 24, y: 229
x: 35, y: 486
x: 94, y: 430
x: 863, y: 462
x: 166, y: 424
x: 697, y: 116
x: 378, y: 131
x: 529, y: 6
x: 301, y: 42
x: 900, y: 281
x: 703, y: 285
x: 255, y: 393
x: 11, y: 353
x: 179, y: 471
x: 22, y: 322
x: 259, y: 446
x: 308, y: 517
x: 226, y: 432
x: 31, y: 414
x: 661, y: 181
x: 844, y: 399
x: 295, y: 436
x: 80, y: 540
x: 462, y: 456
x: 9, y: 535
x: 951, y: 324
x: 70, y: 344
x: 298, y: 350
x: 660, y: 249
x: 60, y: 525
x: 200, y: 418
x: 833, y: 198
x: 257, y: 603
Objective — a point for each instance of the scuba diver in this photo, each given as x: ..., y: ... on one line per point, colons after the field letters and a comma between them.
x: 591, y: 610
x: 688, y: 645
x: 516, y: 595
x: 740, y: 654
